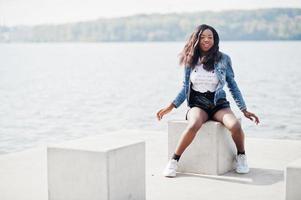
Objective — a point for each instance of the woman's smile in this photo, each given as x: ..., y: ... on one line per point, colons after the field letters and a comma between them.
x: 206, y: 40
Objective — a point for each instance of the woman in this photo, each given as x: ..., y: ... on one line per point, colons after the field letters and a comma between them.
x: 207, y: 70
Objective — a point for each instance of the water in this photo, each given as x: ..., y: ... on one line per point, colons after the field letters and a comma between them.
x: 61, y: 91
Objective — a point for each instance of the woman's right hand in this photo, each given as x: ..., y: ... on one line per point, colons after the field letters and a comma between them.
x: 164, y: 111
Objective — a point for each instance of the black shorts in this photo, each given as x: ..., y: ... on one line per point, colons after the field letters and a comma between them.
x: 205, y: 101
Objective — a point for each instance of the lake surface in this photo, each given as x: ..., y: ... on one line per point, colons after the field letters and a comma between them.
x: 51, y: 92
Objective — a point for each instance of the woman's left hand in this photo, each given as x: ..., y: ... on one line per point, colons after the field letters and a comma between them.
x: 251, y: 116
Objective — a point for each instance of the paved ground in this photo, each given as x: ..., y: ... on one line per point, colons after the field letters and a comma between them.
x: 23, y: 174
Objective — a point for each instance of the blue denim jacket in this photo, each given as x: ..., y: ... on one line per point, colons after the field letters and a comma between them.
x: 225, y: 74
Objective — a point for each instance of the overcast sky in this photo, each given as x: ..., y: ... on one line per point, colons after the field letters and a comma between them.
x: 31, y: 12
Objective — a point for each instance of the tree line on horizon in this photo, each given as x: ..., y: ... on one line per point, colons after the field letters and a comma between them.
x: 260, y: 24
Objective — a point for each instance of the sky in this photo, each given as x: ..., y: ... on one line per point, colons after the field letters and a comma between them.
x: 33, y: 12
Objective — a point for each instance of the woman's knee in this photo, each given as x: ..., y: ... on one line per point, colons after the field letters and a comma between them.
x: 235, y: 126
x: 196, y: 117
x: 194, y: 126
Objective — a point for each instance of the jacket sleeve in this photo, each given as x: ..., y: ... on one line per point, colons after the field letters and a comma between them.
x: 232, y: 85
x: 180, y: 98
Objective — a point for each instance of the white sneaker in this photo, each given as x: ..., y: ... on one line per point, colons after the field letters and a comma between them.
x: 171, y: 168
x: 241, y: 164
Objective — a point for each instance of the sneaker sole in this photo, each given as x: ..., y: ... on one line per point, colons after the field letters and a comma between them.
x: 170, y: 175
x: 242, y: 172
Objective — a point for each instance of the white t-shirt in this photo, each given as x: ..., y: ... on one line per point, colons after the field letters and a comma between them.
x: 203, y: 80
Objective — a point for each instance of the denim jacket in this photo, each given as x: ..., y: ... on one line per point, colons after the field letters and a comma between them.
x: 223, y: 70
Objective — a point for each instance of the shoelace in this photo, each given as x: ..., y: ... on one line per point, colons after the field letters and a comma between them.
x: 241, y: 159
x: 172, y: 165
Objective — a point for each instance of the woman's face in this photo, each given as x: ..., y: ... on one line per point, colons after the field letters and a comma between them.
x: 206, y: 40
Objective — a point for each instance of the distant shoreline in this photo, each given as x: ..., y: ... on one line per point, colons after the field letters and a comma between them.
x: 127, y: 42
x: 232, y: 25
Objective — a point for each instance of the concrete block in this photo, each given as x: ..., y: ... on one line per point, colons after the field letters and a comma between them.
x: 100, y: 168
x: 211, y: 152
x: 293, y: 180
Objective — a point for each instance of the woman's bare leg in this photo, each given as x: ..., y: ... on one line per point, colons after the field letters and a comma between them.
x: 196, y: 117
x: 227, y: 117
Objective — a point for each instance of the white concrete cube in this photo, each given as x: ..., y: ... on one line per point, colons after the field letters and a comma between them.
x: 211, y: 152
x: 100, y: 168
x: 293, y: 180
